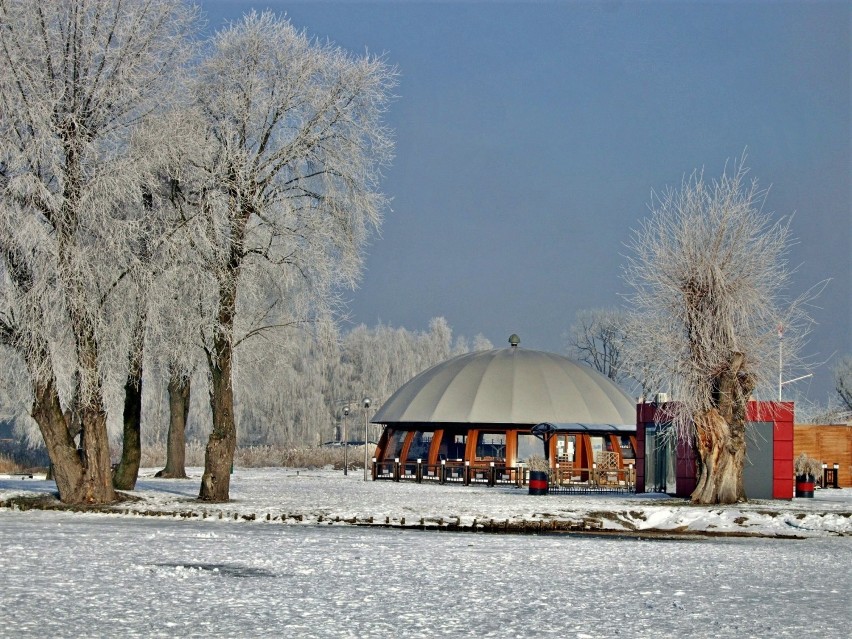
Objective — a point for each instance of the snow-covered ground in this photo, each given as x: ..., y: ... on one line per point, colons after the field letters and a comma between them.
x: 106, y: 575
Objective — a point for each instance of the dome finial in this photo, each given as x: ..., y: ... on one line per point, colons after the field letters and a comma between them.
x: 514, y: 340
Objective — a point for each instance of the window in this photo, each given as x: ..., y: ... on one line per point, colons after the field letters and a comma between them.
x: 566, y: 445
x: 419, y: 447
x: 529, y: 446
x: 395, y: 442
x: 659, y: 459
x: 452, y: 446
x: 491, y: 446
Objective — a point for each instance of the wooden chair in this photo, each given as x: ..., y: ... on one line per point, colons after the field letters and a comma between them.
x: 565, y: 472
x: 607, y: 467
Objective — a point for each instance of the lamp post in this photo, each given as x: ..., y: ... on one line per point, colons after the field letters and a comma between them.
x: 345, y: 441
x: 366, y: 422
x: 780, y: 358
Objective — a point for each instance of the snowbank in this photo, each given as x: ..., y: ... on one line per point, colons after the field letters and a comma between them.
x: 301, y: 497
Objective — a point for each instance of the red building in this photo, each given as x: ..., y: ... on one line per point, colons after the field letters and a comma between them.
x: 665, y: 465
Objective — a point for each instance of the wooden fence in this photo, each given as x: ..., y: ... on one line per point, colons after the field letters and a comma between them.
x: 830, y: 444
x: 563, y: 478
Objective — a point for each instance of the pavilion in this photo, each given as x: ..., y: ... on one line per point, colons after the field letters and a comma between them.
x: 471, y: 418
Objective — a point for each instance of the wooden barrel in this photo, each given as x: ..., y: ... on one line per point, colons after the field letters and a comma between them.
x: 805, y: 486
x: 538, y: 482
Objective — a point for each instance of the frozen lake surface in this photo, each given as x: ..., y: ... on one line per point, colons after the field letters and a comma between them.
x: 68, y: 575
x: 269, y: 563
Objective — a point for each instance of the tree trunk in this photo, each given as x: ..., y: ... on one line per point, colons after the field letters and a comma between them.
x: 721, y: 457
x: 127, y: 471
x: 98, y: 469
x: 96, y: 485
x: 79, y: 473
x: 720, y: 440
x: 65, y: 461
x: 179, y: 392
x: 219, y: 454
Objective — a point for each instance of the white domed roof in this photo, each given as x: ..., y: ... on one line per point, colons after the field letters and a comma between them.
x: 509, y: 386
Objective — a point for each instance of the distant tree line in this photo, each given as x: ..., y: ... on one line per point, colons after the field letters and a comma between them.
x: 288, y: 393
x: 292, y: 392
x: 600, y: 338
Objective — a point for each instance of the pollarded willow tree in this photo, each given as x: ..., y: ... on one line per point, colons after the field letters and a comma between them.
x: 79, y: 78
x: 285, y: 184
x: 709, y: 271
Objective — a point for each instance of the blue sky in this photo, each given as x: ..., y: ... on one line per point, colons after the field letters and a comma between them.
x: 530, y: 136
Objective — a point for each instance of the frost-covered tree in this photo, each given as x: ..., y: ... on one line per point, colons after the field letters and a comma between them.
x: 79, y: 78
x: 843, y: 381
x: 290, y: 390
x: 175, y: 346
x: 598, y: 338
x: 285, y: 180
x: 376, y: 362
x: 709, y: 271
x: 601, y: 339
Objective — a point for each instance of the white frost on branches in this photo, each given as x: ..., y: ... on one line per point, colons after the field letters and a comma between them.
x: 78, y: 81
x: 843, y: 383
x: 709, y: 270
x: 598, y: 337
